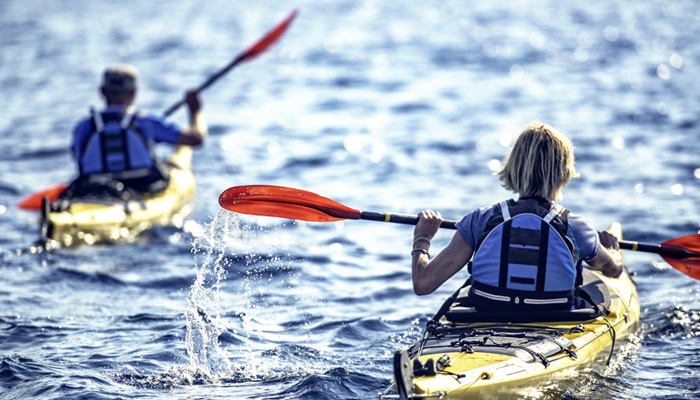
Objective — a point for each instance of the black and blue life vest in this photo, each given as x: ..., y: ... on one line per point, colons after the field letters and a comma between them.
x: 524, y: 259
x: 116, y: 148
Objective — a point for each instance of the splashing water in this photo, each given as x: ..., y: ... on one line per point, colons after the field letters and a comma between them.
x: 203, y: 315
x: 203, y: 311
x: 226, y: 240
x: 228, y: 249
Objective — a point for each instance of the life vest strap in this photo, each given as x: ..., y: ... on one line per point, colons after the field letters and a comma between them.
x: 556, y: 210
x: 97, y: 118
x: 120, y: 175
x: 505, y: 211
x: 490, y: 297
x: 128, y: 117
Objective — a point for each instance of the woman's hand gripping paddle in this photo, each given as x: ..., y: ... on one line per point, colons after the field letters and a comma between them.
x: 682, y: 253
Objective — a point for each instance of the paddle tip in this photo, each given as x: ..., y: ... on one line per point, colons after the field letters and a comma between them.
x: 34, y: 201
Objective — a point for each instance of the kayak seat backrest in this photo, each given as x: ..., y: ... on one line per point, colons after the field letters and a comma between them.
x: 593, y: 288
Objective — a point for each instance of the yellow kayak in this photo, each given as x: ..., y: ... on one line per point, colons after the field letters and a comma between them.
x: 109, y: 219
x: 468, y: 354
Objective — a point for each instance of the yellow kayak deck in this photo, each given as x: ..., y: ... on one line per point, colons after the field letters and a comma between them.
x: 466, y: 356
x: 91, y: 221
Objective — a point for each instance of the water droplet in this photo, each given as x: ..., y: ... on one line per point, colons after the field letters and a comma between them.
x: 378, y: 150
x: 517, y: 71
x: 227, y: 143
x: 610, y: 33
x: 636, y: 84
x: 352, y: 144
x: 273, y: 147
x: 676, y: 61
x: 677, y: 189
x: 585, y: 40
x: 505, y: 140
x: 537, y: 40
x: 618, y: 142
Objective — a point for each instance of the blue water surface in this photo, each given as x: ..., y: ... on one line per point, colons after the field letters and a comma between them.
x: 381, y: 105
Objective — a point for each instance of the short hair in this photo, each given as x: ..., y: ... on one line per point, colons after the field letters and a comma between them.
x: 540, y: 164
x: 120, y: 79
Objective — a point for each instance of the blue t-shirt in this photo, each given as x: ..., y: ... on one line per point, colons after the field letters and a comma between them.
x: 584, y: 237
x: 154, y: 127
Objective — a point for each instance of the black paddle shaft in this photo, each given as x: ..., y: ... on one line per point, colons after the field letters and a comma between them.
x: 660, y: 249
x: 400, y: 219
x: 208, y: 83
x: 663, y: 250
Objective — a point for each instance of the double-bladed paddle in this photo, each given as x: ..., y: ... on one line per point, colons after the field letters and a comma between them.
x: 682, y: 253
x: 250, y: 53
x: 33, y: 201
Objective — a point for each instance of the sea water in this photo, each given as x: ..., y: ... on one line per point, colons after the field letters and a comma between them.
x: 390, y: 106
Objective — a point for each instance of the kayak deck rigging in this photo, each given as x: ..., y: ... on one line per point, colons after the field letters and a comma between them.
x: 467, y: 353
x: 113, y: 213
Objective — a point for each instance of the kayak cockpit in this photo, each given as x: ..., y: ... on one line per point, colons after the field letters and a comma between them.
x: 594, y: 297
x: 476, y: 353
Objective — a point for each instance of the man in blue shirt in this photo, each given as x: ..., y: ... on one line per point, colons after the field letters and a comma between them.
x: 117, y: 144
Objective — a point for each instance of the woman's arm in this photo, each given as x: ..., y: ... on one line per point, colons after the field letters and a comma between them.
x: 429, y: 274
x: 609, y: 259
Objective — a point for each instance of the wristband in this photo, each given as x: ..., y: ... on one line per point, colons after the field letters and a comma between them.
x: 414, y: 251
x: 422, y: 238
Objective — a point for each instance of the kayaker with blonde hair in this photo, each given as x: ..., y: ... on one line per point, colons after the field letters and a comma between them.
x: 527, y: 253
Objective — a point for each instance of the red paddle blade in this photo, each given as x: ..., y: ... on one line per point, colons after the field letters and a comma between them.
x: 269, y: 39
x: 689, y: 263
x: 284, y: 202
x: 33, y: 201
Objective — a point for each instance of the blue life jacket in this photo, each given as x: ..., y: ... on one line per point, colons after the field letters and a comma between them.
x: 524, y: 260
x: 116, y: 149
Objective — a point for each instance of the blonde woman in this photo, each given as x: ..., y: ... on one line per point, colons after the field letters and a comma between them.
x: 527, y: 252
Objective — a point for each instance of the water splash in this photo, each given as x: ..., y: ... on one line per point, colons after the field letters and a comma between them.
x: 222, y: 250
x: 203, y: 314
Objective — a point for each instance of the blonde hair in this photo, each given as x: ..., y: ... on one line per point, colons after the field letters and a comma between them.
x: 540, y: 164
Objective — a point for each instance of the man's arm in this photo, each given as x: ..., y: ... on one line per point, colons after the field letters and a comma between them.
x: 196, y: 133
